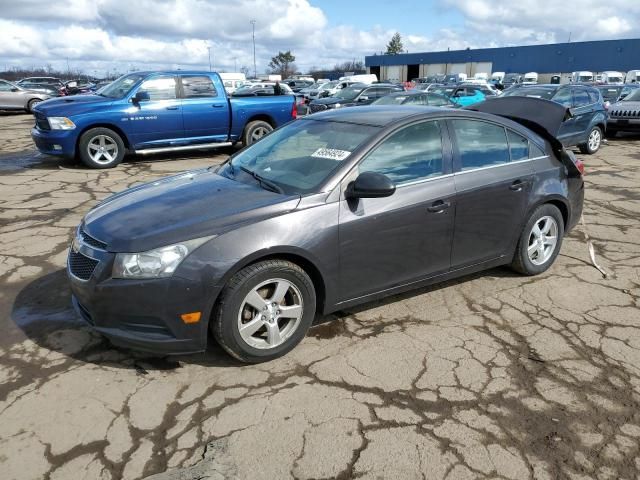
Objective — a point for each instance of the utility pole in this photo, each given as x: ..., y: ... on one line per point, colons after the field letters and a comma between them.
x: 253, y: 36
x: 209, y: 49
x: 235, y: 64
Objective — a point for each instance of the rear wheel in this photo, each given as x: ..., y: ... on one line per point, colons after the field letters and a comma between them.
x: 264, y: 311
x: 32, y: 103
x: 540, y: 241
x: 594, y: 140
x: 101, y: 148
x: 254, y: 131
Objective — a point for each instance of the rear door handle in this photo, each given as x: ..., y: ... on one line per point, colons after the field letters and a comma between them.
x: 438, y: 206
x: 172, y: 108
x: 217, y: 105
x: 518, y: 185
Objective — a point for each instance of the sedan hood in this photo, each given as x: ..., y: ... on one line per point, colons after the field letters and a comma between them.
x: 72, y: 105
x: 190, y: 205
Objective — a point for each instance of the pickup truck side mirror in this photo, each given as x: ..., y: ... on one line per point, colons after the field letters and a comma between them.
x: 140, y: 96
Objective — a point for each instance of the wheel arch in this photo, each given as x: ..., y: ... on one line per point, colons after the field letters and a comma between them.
x: 558, y: 201
x: 260, y: 116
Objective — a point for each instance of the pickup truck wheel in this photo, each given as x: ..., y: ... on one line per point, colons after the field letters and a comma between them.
x: 101, y: 148
x: 594, y: 140
x: 264, y: 311
x: 254, y: 131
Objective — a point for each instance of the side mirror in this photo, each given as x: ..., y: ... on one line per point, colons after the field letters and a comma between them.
x: 363, y: 98
x: 370, y: 185
x: 15, y: 89
x: 141, y: 96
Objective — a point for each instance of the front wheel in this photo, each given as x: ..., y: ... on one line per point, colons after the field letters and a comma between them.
x: 594, y: 140
x: 32, y: 103
x: 540, y: 241
x: 264, y: 311
x: 254, y: 131
x: 101, y: 148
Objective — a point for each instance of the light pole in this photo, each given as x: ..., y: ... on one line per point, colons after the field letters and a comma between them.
x: 209, y: 49
x: 235, y: 64
x: 253, y: 36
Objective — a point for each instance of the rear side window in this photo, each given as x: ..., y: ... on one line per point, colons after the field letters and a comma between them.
x: 480, y: 144
x: 518, y: 146
x: 197, y: 86
x: 4, y: 86
x: 594, y: 97
x: 580, y: 97
x: 412, y: 153
x: 159, y: 88
x: 535, y: 151
x: 564, y: 97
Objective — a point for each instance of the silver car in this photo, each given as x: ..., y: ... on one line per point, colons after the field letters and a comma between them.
x: 14, y: 97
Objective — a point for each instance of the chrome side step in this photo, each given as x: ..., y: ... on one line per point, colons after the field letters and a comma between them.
x: 200, y: 146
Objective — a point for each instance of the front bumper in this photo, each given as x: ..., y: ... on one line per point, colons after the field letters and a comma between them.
x: 55, y: 142
x: 623, y: 124
x: 139, y: 314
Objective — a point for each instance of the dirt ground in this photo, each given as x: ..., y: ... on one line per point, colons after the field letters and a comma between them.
x: 491, y: 376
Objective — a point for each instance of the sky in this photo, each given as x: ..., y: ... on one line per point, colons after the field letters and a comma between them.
x: 100, y: 36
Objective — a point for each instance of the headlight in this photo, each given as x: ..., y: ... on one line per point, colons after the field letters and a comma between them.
x: 156, y: 263
x: 61, y: 123
x: 335, y: 105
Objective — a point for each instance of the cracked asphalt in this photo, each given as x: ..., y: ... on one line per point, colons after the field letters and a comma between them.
x: 491, y: 376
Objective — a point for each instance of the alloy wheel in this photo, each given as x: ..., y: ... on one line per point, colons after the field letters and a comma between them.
x: 258, y: 133
x: 102, y: 149
x: 270, y: 313
x: 542, y: 240
x: 594, y: 140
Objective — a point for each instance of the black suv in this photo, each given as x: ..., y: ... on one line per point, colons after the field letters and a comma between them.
x: 358, y: 94
x: 588, y: 122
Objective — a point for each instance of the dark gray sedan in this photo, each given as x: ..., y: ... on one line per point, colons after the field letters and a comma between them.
x: 329, y: 211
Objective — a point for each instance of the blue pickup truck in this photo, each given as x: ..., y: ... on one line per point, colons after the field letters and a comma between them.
x: 153, y: 112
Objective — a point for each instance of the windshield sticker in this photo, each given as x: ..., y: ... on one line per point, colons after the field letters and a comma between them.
x: 331, y: 154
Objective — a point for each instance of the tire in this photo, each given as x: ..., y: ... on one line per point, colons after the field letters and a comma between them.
x: 611, y: 133
x: 593, y: 143
x: 542, y: 258
x: 258, y: 343
x: 32, y: 103
x: 254, y: 131
x: 94, y: 139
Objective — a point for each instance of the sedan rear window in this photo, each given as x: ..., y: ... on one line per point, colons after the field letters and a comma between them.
x: 300, y: 156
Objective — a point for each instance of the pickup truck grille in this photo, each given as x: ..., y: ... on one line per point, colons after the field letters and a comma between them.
x: 317, y: 107
x: 41, y: 122
x: 620, y: 113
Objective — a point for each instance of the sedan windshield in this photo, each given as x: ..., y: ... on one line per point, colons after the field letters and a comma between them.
x: 300, y: 156
x: 349, y: 93
x: 121, y: 87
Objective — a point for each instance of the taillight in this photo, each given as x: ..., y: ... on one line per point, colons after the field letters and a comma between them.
x: 294, y: 109
x: 580, y: 166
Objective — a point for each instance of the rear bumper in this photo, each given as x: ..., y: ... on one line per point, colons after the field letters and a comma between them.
x: 55, y: 142
x: 576, y: 198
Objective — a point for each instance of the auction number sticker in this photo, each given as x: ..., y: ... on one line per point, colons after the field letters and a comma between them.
x: 331, y: 154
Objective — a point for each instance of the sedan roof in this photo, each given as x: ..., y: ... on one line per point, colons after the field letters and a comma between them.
x: 374, y: 115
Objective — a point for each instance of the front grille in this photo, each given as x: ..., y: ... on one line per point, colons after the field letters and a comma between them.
x: 626, y: 113
x: 89, y: 240
x: 41, y: 122
x: 81, y: 266
x: 317, y: 107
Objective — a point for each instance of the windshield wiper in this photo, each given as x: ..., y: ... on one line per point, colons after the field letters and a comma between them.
x: 262, y: 181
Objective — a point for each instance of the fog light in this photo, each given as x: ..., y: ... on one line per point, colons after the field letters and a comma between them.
x: 57, y: 147
x: 193, y: 317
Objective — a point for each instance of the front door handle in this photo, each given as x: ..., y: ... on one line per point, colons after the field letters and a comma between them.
x: 438, y: 206
x: 217, y: 105
x: 172, y: 108
x: 517, y: 186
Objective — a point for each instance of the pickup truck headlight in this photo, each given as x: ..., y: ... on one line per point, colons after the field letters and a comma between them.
x: 156, y: 263
x: 61, y: 123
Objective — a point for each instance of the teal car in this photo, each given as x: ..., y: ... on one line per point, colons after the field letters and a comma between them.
x: 461, y: 95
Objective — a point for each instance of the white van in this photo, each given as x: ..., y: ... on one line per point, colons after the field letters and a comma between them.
x: 530, y: 78
x: 582, y: 77
x: 481, y: 76
x: 633, y: 76
x: 364, y: 78
x: 612, y: 77
x: 232, y: 81
x: 497, y: 77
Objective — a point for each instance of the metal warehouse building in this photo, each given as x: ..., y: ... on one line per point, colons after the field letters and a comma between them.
x: 547, y: 60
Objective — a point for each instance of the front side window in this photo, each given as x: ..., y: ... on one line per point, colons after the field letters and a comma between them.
x: 480, y: 144
x: 159, y: 88
x: 518, y: 146
x: 5, y: 86
x: 198, y: 86
x: 413, y: 153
